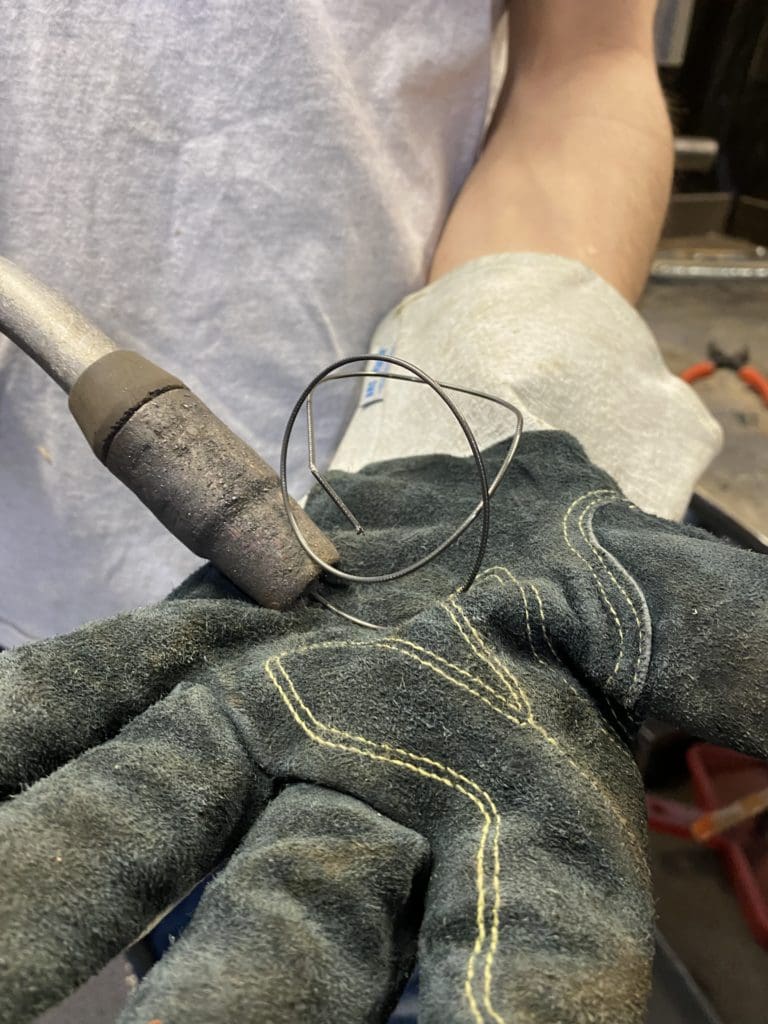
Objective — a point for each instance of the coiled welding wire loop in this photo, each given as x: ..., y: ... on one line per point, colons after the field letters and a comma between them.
x: 483, y: 507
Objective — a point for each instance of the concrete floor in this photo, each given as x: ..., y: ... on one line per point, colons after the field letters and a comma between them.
x: 685, y: 317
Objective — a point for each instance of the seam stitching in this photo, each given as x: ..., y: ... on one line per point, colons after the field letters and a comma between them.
x: 492, y: 573
x: 605, y: 556
x: 603, y: 594
x: 493, y: 821
x: 485, y: 654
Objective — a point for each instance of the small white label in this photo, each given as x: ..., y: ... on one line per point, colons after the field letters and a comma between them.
x: 373, y: 389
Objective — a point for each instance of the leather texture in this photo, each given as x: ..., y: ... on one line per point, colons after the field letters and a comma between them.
x: 462, y: 781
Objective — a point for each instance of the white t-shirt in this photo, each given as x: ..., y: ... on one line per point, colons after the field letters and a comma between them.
x: 238, y: 190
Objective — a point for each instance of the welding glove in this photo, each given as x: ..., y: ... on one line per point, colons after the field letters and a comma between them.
x: 462, y: 780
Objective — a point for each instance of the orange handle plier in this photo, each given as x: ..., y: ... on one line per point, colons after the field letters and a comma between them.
x: 738, y: 362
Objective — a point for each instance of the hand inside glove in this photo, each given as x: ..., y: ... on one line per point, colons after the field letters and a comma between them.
x: 462, y: 779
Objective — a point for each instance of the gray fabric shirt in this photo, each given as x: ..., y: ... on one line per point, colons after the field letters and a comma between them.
x: 238, y: 190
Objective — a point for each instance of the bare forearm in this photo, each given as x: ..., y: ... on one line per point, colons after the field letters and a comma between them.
x: 579, y: 160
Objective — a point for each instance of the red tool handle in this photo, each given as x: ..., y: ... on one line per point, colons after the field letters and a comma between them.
x: 752, y: 376
x: 699, y: 370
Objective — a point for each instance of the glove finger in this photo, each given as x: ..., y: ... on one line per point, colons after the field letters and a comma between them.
x: 91, y: 854
x: 539, y: 906
x: 314, y: 919
x: 61, y: 696
x: 695, y: 611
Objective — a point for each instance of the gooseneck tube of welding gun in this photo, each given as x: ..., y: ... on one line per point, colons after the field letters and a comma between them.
x: 205, y: 484
x: 47, y: 328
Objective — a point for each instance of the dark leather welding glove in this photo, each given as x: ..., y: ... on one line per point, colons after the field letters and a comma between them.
x: 464, y: 776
